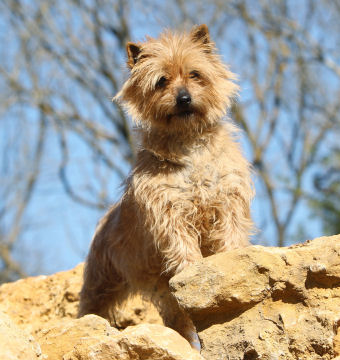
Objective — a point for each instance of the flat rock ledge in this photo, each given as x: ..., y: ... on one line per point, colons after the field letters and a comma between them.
x: 252, y: 303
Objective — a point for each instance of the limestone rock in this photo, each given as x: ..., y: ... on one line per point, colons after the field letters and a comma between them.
x: 152, y: 341
x: 252, y: 303
x: 37, y: 303
x: 61, y: 338
x: 91, y: 337
x: 16, y: 344
x: 34, y: 302
x: 266, y: 303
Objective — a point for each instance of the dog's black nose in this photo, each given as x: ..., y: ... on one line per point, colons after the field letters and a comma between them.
x: 183, y: 98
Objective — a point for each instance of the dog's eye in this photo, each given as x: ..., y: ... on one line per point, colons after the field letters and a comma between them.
x: 194, y: 75
x: 161, y: 82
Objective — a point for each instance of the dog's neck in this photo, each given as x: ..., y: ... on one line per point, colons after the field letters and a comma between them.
x: 175, y: 147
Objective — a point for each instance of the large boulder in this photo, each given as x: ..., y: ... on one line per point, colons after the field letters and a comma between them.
x: 266, y: 302
x: 91, y: 337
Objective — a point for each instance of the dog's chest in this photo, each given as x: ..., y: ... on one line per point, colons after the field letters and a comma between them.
x: 203, y: 179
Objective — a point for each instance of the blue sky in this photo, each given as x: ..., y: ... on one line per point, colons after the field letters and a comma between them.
x: 59, y: 230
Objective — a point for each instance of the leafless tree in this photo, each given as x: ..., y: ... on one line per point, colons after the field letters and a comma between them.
x: 58, y: 74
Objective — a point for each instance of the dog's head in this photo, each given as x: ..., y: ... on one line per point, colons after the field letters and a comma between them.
x: 177, y: 82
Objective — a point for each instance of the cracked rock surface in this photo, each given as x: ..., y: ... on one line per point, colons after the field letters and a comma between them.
x: 266, y: 302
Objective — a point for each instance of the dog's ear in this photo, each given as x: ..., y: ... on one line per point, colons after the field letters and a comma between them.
x: 200, y: 34
x: 133, y: 51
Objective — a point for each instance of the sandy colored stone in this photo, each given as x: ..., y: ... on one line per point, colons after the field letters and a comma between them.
x: 254, y: 303
x: 34, y: 302
x: 92, y: 338
x: 37, y: 303
x: 67, y: 333
x: 16, y: 344
x: 152, y: 341
x: 266, y: 303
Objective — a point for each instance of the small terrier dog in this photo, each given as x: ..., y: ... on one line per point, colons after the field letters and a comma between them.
x: 189, y: 193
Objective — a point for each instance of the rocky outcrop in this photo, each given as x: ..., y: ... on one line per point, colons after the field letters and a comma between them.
x: 37, y: 303
x: 251, y: 303
x: 47, y: 306
x: 266, y: 303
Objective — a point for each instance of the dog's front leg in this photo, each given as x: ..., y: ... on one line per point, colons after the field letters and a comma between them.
x: 177, y: 242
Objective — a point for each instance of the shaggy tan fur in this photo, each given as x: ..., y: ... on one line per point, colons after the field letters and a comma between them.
x: 189, y: 193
